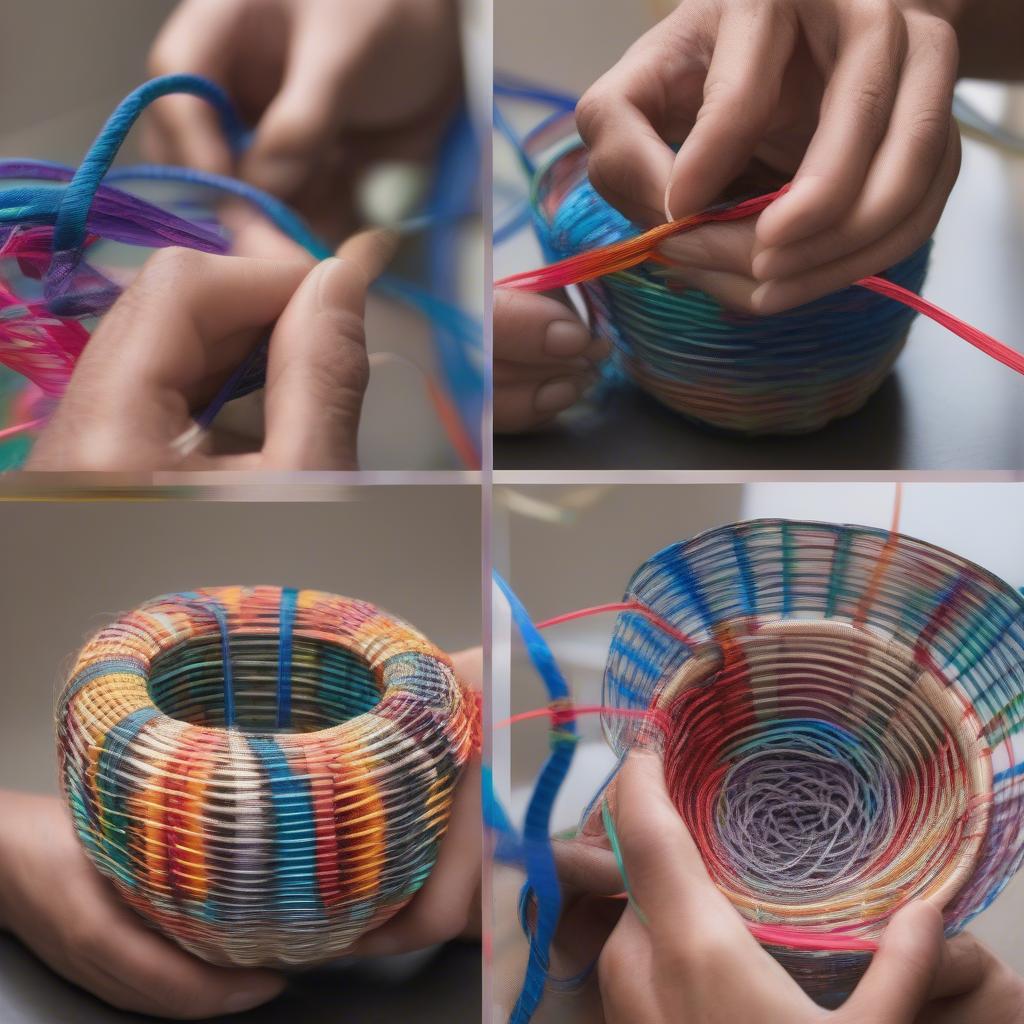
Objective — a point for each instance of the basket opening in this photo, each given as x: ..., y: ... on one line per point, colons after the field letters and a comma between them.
x: 330, y: 683
x: 816, y: 762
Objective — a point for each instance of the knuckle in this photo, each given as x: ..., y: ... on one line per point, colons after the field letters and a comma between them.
x: 603, y: 171
x: 935, y: 33
x: 874, y: 12
x: 884, y: 20
x: 929, y: 131
x: 171, y: 265
x: 872, y: 104
x: 589, y: 112
x: 709, y: 956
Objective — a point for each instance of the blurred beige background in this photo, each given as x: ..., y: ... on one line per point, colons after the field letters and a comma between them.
x: 65, y: 64
x: 568, y: 547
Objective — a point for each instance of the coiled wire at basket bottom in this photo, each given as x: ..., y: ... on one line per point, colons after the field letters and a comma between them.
x: 815, y: 809
x: 264, y: 774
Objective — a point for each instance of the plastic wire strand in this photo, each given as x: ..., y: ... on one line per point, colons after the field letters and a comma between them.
x: 632, y: 252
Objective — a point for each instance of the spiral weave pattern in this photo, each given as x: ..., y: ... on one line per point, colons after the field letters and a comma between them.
x: 785, y: 374
x: 265, y: 774
x: 847, y: 728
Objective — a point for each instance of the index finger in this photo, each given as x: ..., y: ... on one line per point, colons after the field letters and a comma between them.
x: 186, y: 317
x: 625, y: 119
x: 197, y: 40
x: 741, y: 94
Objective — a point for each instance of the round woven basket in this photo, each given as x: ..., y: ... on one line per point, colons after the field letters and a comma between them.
x: 846, y: 729
x: 264, y: 774
x: 785, y: 374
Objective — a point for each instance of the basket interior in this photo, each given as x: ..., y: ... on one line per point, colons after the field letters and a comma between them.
x: 329, y: 683
x: 824, y: 773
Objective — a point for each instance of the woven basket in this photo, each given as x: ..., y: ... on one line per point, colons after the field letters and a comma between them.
x: 263, y: 774
x: 847, y: 728
x: 785, y: 374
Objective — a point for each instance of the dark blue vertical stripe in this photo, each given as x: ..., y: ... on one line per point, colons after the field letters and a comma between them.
x: 286, y: 624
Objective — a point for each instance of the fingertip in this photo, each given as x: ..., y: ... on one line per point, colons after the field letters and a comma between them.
x: 557, y: 395
x: 678, y: 201
x: 761, y: 266
x: 565, y: 339
x: 798, y: 213
x: 669, y: 215
x: 767, y: 299
x: 920, y: 919
x: 370, y: 251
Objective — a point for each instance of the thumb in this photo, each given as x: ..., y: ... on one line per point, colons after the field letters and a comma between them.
x: 318, y: 369
x: 902, y: 972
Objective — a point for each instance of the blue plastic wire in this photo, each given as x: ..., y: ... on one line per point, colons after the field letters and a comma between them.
x: 286, y: 625
x: 214, y: 608
x: 538, y: 857
x: 70, y: 226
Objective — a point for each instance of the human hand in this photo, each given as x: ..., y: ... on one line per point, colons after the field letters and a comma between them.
x: 974, y: 985
x: 544, y: 359
x: 851, y: 99
x: 186, y: 323
x: 449, y: 904
x: 54, y: 900
x: 692, y: 958
x: 331, y: 86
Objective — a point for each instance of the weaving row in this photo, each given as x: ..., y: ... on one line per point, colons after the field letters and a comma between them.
x: 265, y: 774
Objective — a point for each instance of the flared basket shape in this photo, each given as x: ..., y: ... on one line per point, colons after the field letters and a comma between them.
x: 846, y: 728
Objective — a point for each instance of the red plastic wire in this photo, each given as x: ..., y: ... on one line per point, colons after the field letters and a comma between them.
x: 633, y: 251
x: 22, y: 428
x: 620, y: 606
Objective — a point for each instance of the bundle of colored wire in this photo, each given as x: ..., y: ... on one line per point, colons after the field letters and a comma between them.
x: 52, y: 288
x: 783, y: 374
x: 841, y: 715
x: 265, y: 774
